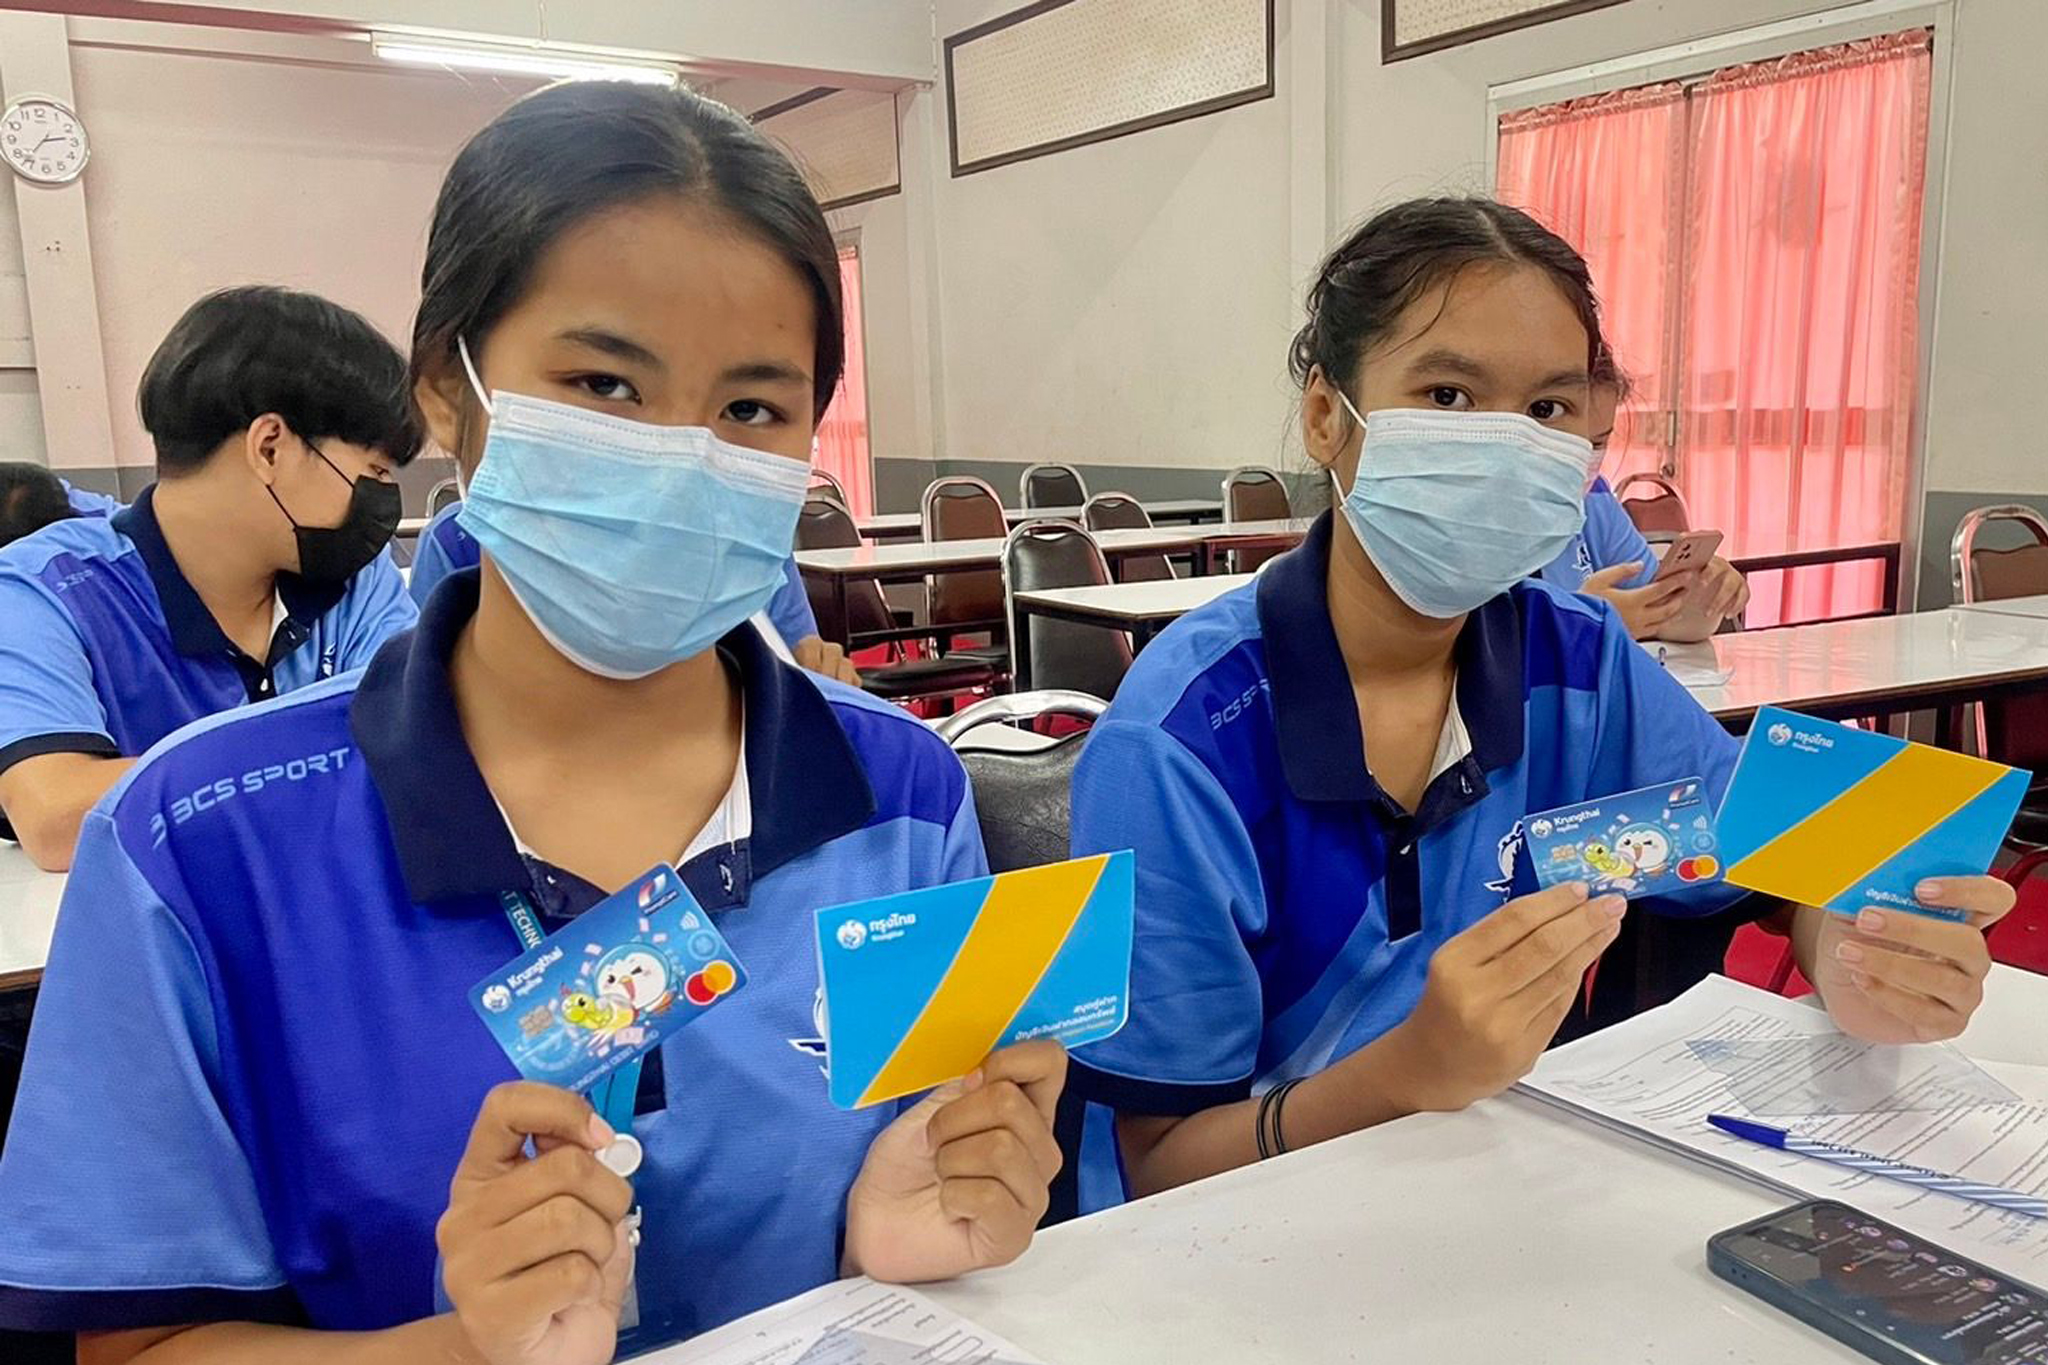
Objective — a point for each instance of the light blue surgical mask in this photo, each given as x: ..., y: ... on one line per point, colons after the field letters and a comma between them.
x: 1455, y: 508
x: 631, y: 546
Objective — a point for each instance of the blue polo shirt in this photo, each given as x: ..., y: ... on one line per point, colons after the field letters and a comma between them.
x: 1609, y: 538
x: 1287, y: 906
x: 105, y: 648
x: 444, y: 547
x: 87, y: 503
x: 254, y: 1065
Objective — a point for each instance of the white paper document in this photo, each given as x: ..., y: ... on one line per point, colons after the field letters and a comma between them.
x: 1659, y: 1075
x: 853, y: 1322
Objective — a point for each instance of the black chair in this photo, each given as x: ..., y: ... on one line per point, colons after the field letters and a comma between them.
x: 1062, y: 655
x: 825, y: 525
x: 1122, y: 512
x: 1023, y: 781
x: 1023, y: 795
x: 1254, y: 493
x: 826, y: 486
x: 444, y: 494
x: 1052, y: 485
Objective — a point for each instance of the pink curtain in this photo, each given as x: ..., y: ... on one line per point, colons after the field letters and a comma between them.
x: 1801, y: 338
x: 1790, y: 296
x: 1607, y: 174
x: 843, y: 432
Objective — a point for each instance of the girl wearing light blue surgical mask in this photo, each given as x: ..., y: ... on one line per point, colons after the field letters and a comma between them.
x: 1328, y: 775
x: 629, y: 325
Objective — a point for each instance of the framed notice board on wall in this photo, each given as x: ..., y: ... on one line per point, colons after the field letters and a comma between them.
x: 1060, y: 74
x: 1409, y: 28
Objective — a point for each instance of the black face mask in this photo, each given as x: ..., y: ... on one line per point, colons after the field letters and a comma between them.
x: 334, y: 554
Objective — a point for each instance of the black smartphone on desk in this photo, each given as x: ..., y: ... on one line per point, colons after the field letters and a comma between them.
x: 1889, y: 1293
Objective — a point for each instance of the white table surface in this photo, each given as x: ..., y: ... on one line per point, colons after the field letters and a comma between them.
x: 1825, y: 662
x: 1842, y: 661
x: 911, y: 523
x: 2012, y: 606
x: 1508, y: 1232
x: 909, y: 557
x: 1161, y: 599
x: 28, y: 915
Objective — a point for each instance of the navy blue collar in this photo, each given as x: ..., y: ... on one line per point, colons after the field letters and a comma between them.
x: 194, y: 632
x: 805, y: 780
x: 1321, y: 746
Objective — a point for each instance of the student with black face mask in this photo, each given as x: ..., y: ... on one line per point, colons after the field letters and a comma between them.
x: 255, y: 565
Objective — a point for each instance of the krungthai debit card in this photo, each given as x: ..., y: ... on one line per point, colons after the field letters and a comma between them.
x: 1646, y: 842
x: 611, y: 985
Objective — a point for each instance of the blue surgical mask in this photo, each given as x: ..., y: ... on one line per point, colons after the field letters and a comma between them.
x: 631, y: 546
x: 1454, y: 508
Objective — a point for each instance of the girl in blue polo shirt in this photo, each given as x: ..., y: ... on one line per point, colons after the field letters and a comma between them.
x: 260, y: 1120
x: 1610, y: 559
x: 1325, y: 774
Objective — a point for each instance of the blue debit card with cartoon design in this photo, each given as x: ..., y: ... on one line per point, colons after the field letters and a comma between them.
x: 612, y: 985
x: 1646, y: 842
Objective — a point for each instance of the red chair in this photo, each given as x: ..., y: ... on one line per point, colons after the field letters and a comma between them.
x: 2013, y: 730
x: 958, y: 507
x: 1254, y: 493
x: 2021, y: 938
x: 1662, y: 513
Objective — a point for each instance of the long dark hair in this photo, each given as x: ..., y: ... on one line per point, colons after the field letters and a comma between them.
x: 1385, y: 265
x: 570, y: 150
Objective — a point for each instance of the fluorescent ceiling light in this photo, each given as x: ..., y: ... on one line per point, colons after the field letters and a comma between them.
x: 522, y: 62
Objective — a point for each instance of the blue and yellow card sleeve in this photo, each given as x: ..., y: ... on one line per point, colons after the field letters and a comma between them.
x: 920, y: 987
x: 1822, y: 814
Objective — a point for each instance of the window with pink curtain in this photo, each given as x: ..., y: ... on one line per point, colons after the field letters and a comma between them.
x: 1755, y: 237
x: 842, y: 448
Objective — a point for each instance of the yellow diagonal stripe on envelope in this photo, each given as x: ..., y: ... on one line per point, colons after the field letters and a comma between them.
x: 1825, y: 854
x: 1014, y: 940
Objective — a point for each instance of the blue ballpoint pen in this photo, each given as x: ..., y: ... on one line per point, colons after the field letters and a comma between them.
x: 1995, y: 1196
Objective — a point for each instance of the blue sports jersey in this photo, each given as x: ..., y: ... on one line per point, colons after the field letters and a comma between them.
x: 444, y: 547
x: 1609, y: 538
x: 105, y: 648
x: 87, y: 503
x: 273, y: 924
x: 1287, y: 906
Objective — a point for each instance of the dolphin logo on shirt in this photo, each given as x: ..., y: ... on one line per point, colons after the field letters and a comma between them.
x: 815, y: 1046
x: 1505, y: 853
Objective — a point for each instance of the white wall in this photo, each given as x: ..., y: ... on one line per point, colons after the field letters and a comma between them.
x: 1127, y: 303
x: 887, y: 41
x: 210, y: 170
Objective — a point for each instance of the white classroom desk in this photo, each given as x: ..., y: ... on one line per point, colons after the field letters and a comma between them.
x: 28, y: 916
x: 910, y: 525
x: 1836, y: 669
x: 1882, y: 665
x: 2036, y: 607
x: 1509, y: 1232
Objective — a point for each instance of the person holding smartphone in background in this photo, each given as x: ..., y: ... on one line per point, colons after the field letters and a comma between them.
x: 1610, y: 559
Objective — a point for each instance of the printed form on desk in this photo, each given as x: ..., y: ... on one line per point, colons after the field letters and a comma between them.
x: 1727, y: 1048
x: 853, y: 1322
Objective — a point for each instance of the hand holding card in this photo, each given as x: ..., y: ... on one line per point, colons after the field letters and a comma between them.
x: 920, y: 987
x: 1829, y: 815
x: 610, y: 986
